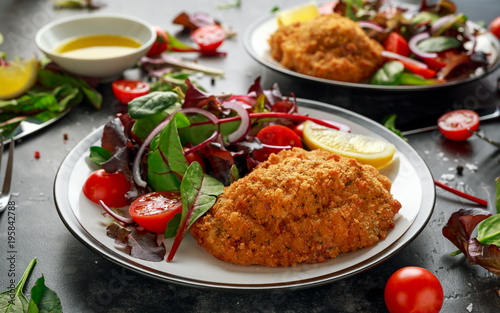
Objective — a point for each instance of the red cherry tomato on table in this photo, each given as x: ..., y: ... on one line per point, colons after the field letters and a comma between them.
x: 454, y: 125
x: 154, y: 210
x: 397, y: 44
x: 194, y: 156
x: 160, y: 43
x: 209, y: 37
x: 494, y: 27
x: 413, y: 289
x: 126, y: 90
x: 275, y: 135
x: 108, y: 187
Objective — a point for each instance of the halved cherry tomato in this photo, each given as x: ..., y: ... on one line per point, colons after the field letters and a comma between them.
x: 413, y: 289
x: 494, y: 27
x: 275, y: 135
x: 397, y: 44
x: 108, y: 187
x: 454, y: 125
x: 126, y: 90
x: 299, y: 130
x: 194, y: 156
x: 154, y: 210
x: 160, y: 43
x: 209, y: 37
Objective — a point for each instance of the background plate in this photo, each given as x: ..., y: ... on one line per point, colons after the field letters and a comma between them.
x: 412, y: 185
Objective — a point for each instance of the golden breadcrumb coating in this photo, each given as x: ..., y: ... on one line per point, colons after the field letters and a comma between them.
x: 298, y: 206
x: 327, y: 46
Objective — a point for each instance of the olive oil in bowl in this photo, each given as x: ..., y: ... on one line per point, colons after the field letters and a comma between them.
x: 97, y: 46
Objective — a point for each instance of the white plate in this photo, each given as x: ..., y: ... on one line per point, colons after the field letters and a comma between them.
x: 256, y: 44
x: 412, y: 185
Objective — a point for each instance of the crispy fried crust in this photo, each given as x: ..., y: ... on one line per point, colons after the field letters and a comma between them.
x: 328, y: 46
x: 299, y: 206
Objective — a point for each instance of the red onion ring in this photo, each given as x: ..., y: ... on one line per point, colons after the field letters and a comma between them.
x: 371, y: 25
x: 245, y: 124
x: 126, y: 220
x: 413, y: 42
x: 392, y: 55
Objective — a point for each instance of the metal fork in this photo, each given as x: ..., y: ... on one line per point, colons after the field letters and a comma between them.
x: 5, y: 195
x: 496, y: 144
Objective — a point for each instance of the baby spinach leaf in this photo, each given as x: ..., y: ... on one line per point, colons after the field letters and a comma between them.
x: 143, y: 126
x: 43, y: 299
x: 172, y: 226
x: 438, y: 44
x: 488, y: 231
x: 152, y: 103
x: 13, y: 300
x: 199, y: 192
x: 166, y: 161
x: 389, y: 74
x: 99, y: 155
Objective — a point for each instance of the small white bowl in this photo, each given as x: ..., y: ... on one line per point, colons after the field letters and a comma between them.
x: 52, y: 34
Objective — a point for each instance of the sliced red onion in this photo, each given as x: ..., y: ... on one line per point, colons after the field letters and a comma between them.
x: 126, y: 220
x: 245, y: 124
x: 204, y: 143
x: 371, y: 25
x: 441, y: 22
x: 392, y: 55
x: 413, y: 42
x: 205, y: 113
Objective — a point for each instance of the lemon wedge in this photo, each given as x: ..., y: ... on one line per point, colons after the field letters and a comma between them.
x: 297, y: 14
x: 17, y: 77
x: 368, y: 150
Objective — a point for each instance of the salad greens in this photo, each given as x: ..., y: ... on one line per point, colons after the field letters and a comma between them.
x: 43, y: 299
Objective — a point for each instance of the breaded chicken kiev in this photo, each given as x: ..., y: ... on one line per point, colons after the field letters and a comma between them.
x: 298, y: 206
x: 327, y: 46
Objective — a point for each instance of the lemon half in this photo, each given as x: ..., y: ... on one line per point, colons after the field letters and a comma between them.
x: 297, y: 14
x: 17, y: 78
x: 368, y: 150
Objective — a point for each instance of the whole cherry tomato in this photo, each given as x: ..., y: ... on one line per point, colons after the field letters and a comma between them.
x: 397, y: 44
x: 160, y: 43
x: 108, y: 187
x: 209, y: 37
x: 275, y: 135
x: 494, y: 27
x: 413, y: 289
x: 154, y: 210
x: 126, y: 90
x: 454, y: 125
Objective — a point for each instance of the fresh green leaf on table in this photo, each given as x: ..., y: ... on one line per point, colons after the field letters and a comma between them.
x: 43, y: 299
x: 13, y: 300
x: 389, y: 74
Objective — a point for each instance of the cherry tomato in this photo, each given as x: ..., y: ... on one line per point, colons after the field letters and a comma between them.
x: 108, y: 187
x: 154, y: 210
x: 494, y: 27
x: 413, y: 289
x: 397, y: 44
x: 160, y: 43
x: 453, y: 125
x: 194, y: 156
x: 209, y: 37
x: 299, y: 130
x: 275, y: 135
x: 127, y: 90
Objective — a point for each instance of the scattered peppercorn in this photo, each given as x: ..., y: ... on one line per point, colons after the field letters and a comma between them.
x: 37, y: 155
x: 65, y: 136
x: 460, y: 169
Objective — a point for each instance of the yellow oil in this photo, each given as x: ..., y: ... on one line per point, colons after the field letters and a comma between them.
x: 97, y: 46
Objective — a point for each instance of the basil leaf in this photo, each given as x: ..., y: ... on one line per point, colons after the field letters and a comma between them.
x: 152, y: 103
x: 488, y: 231
x: 389, y: 74
x: 438, y: 44
x: 43, y: 299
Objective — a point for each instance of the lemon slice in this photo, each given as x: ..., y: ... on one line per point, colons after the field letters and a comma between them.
x: 17, y: 78
x: 297, y: 14
x: 368, y: 150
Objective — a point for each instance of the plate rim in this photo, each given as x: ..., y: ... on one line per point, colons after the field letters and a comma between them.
x: 67, y: 215
x: 251, y: 51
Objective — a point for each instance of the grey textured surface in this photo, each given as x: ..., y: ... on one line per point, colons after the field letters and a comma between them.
x: 86, y: 282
